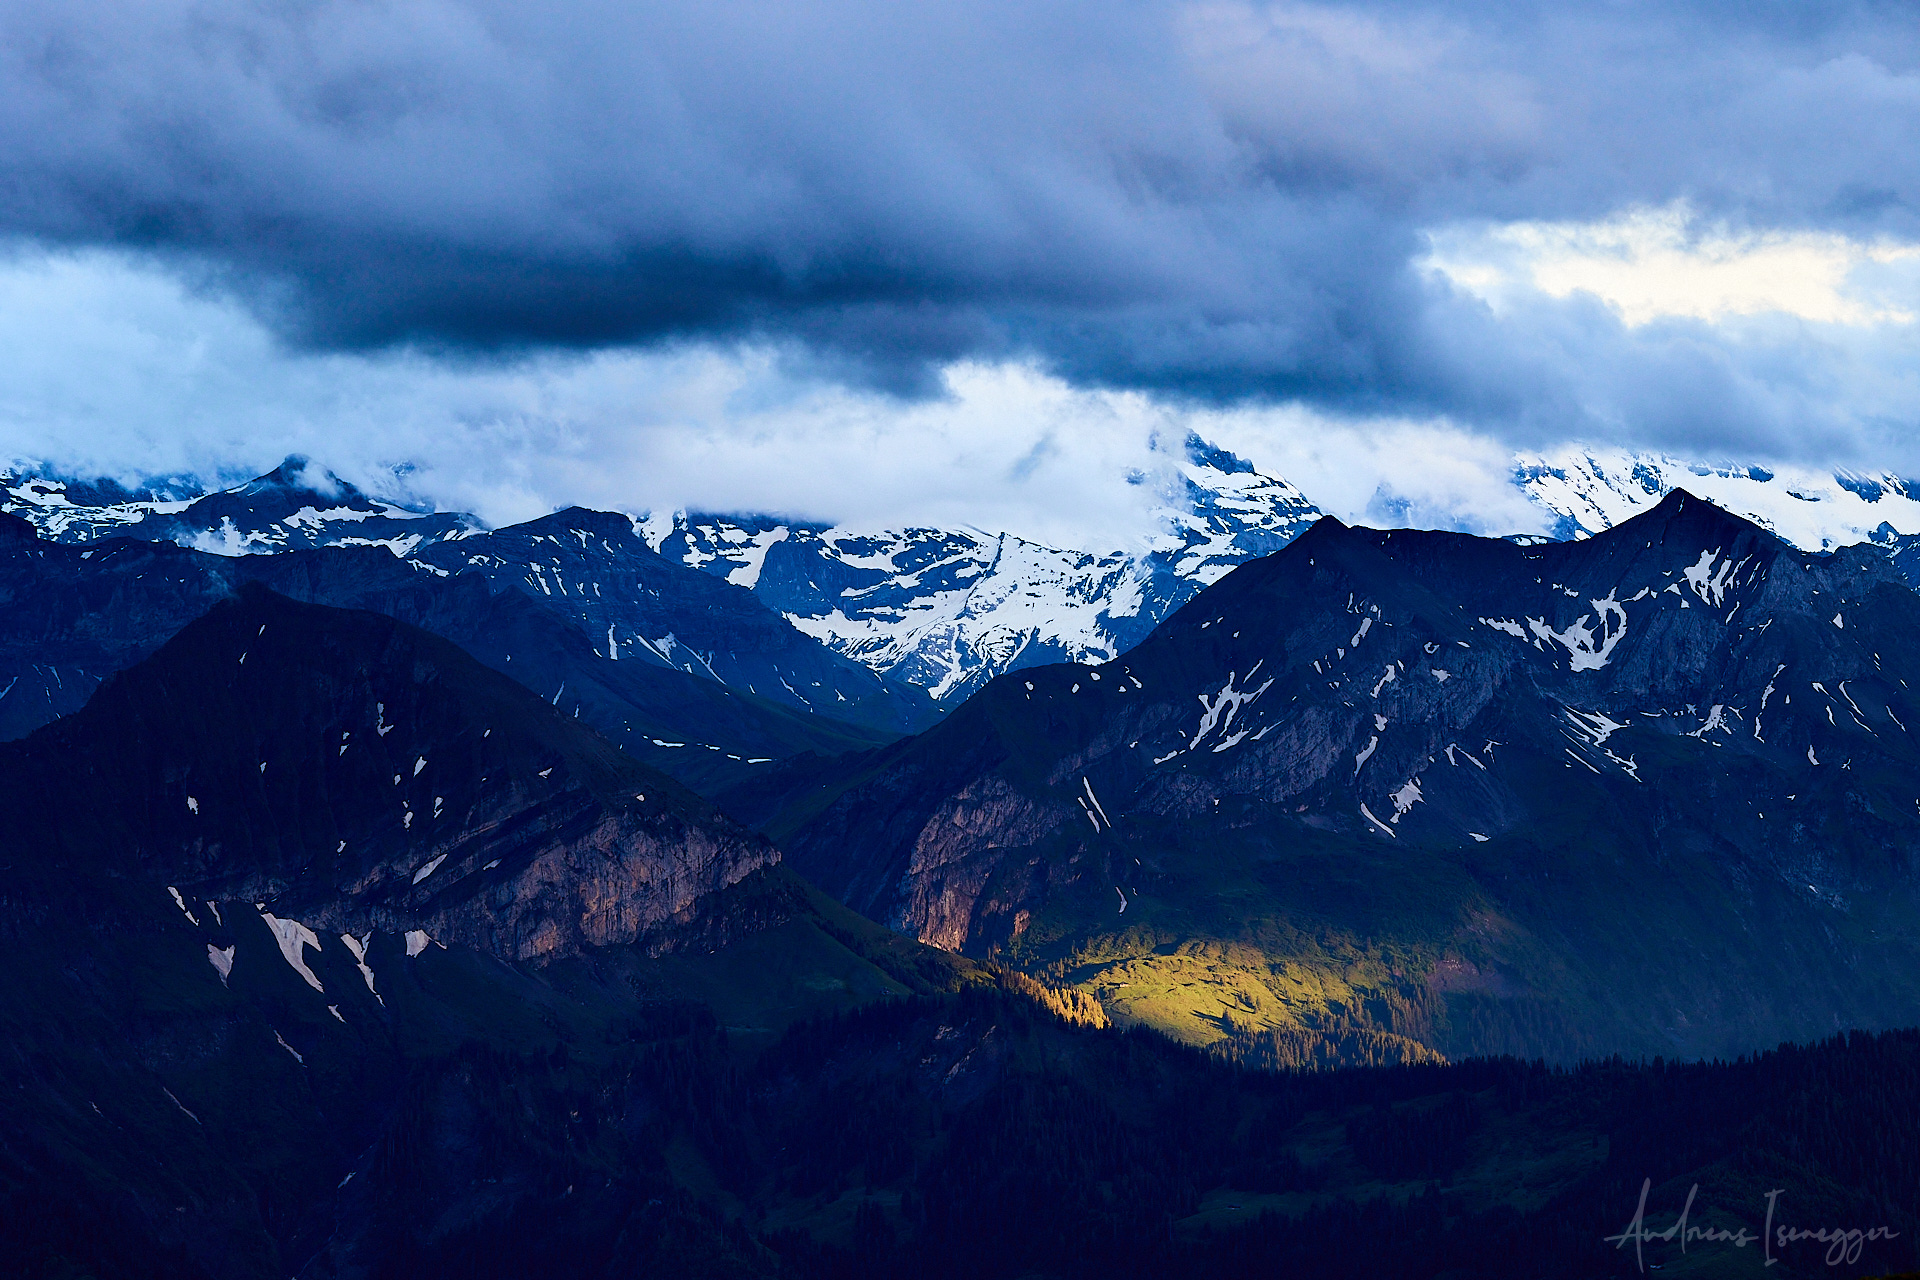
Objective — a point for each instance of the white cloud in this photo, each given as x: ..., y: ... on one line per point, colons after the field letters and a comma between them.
x: 111, y: 366
x: 108, y: 366
x: 1652, y: 264
x: 1394, y: 473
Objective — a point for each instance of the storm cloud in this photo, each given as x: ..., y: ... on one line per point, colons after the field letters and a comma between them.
x: 1210, y: 202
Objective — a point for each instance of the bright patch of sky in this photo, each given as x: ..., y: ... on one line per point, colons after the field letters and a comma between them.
x: 1651, y: 264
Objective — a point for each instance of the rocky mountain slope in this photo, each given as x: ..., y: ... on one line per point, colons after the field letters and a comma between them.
x: 1653, y: 791
x: 286, y: 891
x: 635, y: 605
x: 354, y: 774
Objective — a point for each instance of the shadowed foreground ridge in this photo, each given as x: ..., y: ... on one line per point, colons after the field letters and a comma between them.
x: 356, y: 773
x: 969, y: 1136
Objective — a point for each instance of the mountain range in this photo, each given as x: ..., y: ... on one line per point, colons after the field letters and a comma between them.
x: 933, y: 612
x: 354, y: 930
x: 491, y: 902
x: 1585, y: 490
x: 336, y: 952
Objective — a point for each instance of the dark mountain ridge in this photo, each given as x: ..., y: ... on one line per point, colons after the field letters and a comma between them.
x: 1648, y: 792
x: 355, y: 774
x: 634, y: 604
x: 304, y: 871
x: 75, y: 614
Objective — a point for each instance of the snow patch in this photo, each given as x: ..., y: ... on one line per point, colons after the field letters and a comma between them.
x: 176, y: 1102
x: 1709, y: 583
x: 1405, y: 798
x: 1768, y: 691
x: 1586, y: 649
x: 1716, y: 719
x: 1095, y: 801
x: 1218, y: 712
x: 1368, y: 815
x: 358, y: 946
x: 292, y: 936
x: 1594, y: 726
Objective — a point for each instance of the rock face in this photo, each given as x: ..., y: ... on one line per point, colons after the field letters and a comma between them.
x: 1681, y: 732
x: 343, y: 773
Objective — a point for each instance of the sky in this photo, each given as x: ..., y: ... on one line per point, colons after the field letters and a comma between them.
x: 954, y: 263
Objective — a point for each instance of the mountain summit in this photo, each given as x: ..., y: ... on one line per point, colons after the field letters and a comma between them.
x: 950, y: 609
x: 1489, y: 796
x: 296, y: 505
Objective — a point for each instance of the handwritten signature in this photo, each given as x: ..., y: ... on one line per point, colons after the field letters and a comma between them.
x: 1843, y: 1243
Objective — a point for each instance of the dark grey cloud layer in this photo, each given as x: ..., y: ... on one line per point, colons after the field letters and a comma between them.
x: 1216, y: 200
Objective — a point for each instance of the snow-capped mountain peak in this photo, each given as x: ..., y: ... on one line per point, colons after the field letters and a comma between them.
x: 1224, y: 512
x: 1588, y: 490
x: 949, y: 609
x: 296, y: 505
